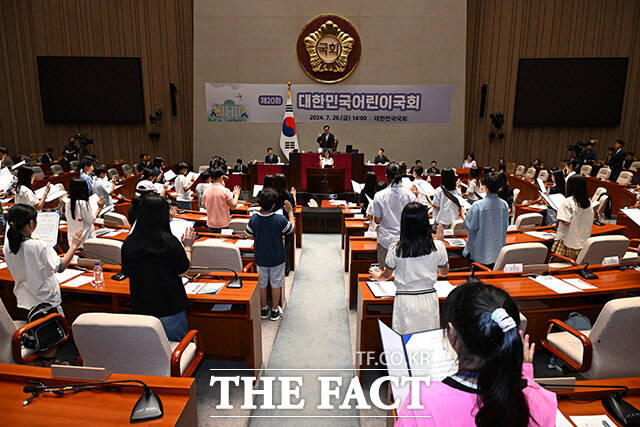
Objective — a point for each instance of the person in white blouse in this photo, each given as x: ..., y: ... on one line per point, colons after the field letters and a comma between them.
x: 575, y: 219
x: 445, y: 210
x: 473, y: 187
x: 32, y: 263
x: 24, y: 192
x: 78, y: 212
x: 326, y: 161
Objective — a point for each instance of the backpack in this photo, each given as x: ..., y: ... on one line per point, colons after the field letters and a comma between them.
x: 46, y: 335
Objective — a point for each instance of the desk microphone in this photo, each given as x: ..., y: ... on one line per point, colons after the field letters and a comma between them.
x: 236, y: 283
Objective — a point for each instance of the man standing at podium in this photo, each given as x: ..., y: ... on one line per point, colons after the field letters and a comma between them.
x: 325, y: 139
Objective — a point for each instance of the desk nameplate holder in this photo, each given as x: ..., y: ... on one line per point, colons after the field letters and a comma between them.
x: 80, y: 372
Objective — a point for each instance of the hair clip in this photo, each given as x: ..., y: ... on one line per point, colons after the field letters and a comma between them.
x: 502, y: 318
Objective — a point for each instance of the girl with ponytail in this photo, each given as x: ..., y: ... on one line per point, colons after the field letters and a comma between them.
x: 32, y: 263
x: 494, y: 383
x: 387, y: 210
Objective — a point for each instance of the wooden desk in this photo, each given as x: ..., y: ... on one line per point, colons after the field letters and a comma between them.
x: 528, y: 189
x: 300, y: 163
x: 621, y: 196
x: 229, y: 335
x: 363, y: 249
x: 94, y: 408
x: 323, y: 180
x: 633, y: 230
x: 536, y: 302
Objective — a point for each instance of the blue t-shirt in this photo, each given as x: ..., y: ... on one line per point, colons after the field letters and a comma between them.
x: 267, y: 230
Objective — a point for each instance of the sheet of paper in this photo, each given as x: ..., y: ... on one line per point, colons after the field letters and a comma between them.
x: 511, y: 227
x: 179, y: 227
x: 192, y: 288
x: 443, y: 288
x: 592, y: 420
x: 54, y: 193
x: 580, y: 284
x: 47, y: 228
x: 169, y: 175
x: 78, y: 281
x: 116, y: 233
x: 357, y: 187
x: 538, y: 206
x: 436, y: 358
x: 19, y: 164
x: 562, y: 421
x: 194, y: 175
x: 211, y: 288
x: 67, y: 274
x: 6, y: 178
x: 3, y: 265
x: 382, y: 289
x: 104, y: 231
x: 256, y: 189
x: 338, y: 202
x: 633, y: 214
x: 93, y: 202
x: 397, y: 365
x: 407, y: 183
x: 541, y: 187
x: 541, y: 235
x: 555, y: 284
x: 221, y: 307
x: 555, y: 200
x: 455, y: 242
x: 424, y: 187
x: 244, y: 244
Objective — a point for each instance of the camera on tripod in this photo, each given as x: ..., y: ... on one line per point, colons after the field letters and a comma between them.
x: 577, y: 147
x: 82, y: 139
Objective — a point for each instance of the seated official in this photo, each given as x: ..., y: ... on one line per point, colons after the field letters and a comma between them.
x: 325, y: 139
x: 380, y: 159
x: 48, y: 157
x: 418, y: 163
x: 326, y: 161
x: 494, y: 382
x: 240, y: 168
x: 153, y: 259
x: 433, y: 170
x: 271, y: 157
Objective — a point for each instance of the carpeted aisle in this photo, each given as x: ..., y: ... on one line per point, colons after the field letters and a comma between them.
x: 314, y: 334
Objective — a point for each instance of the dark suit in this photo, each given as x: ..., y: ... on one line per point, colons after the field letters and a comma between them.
x: 271, y: 159
x: 47, y: 158
x: 380, y: 159
x: 434, y: 171
x: 617, y: 162
x: 326, y: 141
x: 241, y: 168
x: 588, y: 157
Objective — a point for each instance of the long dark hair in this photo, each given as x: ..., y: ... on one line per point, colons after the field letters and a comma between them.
x: 280, y: 185
x: 18, y: 216
x: 393, y: 173
x: 495, y: 356
x: 474, y: 173
x: 146, y: 174
x: 24, y: 177
x: 415, y: 232
x: 152, y: 232
x: 448, y: 179
x: 577, y: 187
x: 558, y: 179
x: 78, y: 190
x: 370, y: 181
x: 268, y: 181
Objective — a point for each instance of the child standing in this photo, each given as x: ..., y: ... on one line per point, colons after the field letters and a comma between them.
x: 267, y: 230
x: 183, y: 187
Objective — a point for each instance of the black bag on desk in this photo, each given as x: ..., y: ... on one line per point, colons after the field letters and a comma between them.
x: 46, y: 335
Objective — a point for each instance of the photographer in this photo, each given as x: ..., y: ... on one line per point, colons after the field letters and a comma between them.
x: 588, y: 156
x: 70, y: 152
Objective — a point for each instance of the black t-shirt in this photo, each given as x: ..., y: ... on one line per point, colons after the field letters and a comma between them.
x: 280, y: 201
x: 154, y: 282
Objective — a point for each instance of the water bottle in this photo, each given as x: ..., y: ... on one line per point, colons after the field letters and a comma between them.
x: 98, y: 276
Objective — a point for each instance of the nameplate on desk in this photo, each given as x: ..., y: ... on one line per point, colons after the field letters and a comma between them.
x: 611, y: 260
x: 513, y: 268
x: 448, y: 232
x: 80, y: 372
x: 358, y: 216
x: 226, y: 231
x: 371, y: 234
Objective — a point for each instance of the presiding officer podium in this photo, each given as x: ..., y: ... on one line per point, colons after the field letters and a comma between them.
x: 329, y: 180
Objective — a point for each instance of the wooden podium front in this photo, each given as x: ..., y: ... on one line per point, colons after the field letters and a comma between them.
x: 325, y: 180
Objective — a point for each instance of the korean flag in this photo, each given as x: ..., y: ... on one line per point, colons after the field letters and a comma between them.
x: 289, y: 136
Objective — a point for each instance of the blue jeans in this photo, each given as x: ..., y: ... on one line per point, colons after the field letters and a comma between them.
x: 183, y: 205
x: 175, y: 326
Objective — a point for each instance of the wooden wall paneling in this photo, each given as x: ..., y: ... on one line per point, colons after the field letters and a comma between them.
x: 160, y: 32
x: 501, y: 32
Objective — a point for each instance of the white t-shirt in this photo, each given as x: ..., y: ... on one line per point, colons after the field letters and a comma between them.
x: 102, y: 187
x: 472, y: 188
x: 84, y: 219
x: 388, y: 205
x: 200, y: 190
x: 569, y: 175
x: 419, y: 273
x: 448, y: 212
x: 32, y: 269
x: 326, y: 161
x: 580, y: 223
x: 181, y: 183
x: 26, y: 196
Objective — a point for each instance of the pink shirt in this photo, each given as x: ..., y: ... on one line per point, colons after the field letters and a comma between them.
x: 468, y: 165
x: 448, y: 406
x: 216, y: 202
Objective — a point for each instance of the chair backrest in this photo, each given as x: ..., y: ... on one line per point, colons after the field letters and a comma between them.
x: 57, y: 170
x: 113, y: 172
x: 214, y: 253
x: 8, y: 161
x: 7, y: 328
x: 625, y: 178
x: 238, y: 224
x: 597, y: 248
x: 529, y: 220
x: 521, y: 253
x: 604, y: 173
x: 28, y: 160
x: 543, y: 175
x: 106, y: 250
x: 516, y: 193
x: 124, y: 343
x: 73, y: 164
x: 616, y: 345
x: 203, y: 168
x: 519, y: 170
x: 586, y: 170
x: 531, y: 173
x: 37, y: 172
x: 634, y: 166
x: 597, y: 194
x: 114, y: 218
x: 126, y: 169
